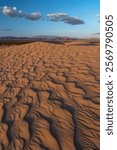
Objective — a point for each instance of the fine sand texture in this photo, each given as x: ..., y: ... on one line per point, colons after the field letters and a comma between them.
x: 49, y: 96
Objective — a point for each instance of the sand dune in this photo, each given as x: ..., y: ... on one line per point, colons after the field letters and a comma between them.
x: 49, y: 97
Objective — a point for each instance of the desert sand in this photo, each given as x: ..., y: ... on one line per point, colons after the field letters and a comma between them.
x: 49, y: 96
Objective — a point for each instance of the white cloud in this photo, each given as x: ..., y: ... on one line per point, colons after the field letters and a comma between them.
x: 13, y: 12
x: 9, y: 12
x: 65, y: 18
x: 56, y: 17
x: 33, y: 16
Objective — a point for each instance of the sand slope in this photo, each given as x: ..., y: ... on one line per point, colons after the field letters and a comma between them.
x: 49, y: 97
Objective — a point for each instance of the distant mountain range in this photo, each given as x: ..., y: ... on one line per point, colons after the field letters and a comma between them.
x: 40, y: 37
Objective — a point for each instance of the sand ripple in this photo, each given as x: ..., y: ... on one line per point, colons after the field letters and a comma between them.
x: 49, y: 97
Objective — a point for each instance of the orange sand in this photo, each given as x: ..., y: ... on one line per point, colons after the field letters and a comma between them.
x: 49, y: 97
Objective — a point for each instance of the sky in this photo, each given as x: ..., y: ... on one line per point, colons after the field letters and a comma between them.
x: 73, y: 18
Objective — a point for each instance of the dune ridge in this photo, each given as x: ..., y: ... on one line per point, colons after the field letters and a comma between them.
x: 49, y: 97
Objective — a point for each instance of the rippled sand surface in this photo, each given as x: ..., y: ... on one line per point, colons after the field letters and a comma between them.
x: 49, y: 97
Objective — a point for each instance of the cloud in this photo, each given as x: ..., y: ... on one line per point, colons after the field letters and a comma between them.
x: 64, y: 17
x: 33, y: 16
x: 6, y: 30
x: 13, y: 12
x: 56, y: 17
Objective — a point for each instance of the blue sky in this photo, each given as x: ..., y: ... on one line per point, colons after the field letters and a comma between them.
x: 75, y: 18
